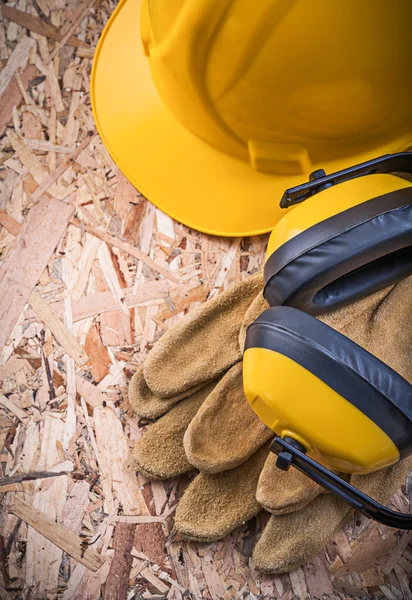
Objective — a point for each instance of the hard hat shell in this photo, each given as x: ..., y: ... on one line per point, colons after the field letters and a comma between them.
x: 223, y: 104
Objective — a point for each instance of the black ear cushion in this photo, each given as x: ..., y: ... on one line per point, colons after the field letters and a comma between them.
x: 344, y: 258
x: 353, y: 372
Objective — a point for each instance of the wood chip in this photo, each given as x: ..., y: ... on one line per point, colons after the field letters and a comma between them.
x: 92, y: 395
x: 350, y: 590
x: 370, y: 551
x: 125, y: 195
x: 62, y: 537
x: 37, y: 25
x: 99, y: 357
x: 62, y: 334
x: 71, y: 27
x: 13, y: 408
x: 89, y: 254
x: 117, y: 583
x: 110, y: 275
x: 33, y: 476
x: 128, y: 248
x: 76, y: 506
x: 114, y: 457
x: 27, y: 258
x: 102, y: 302
x: 403, y: 543
x: 29, y: 160
x: 388, y: 593
x: 137, y: 520
x: 43, y: 556
x: 299, y: 587
x: 48, y: 69
x: 48, y: 182
x: 18, y: 60
x: 12, y: 96
x: 140, y: 568
x: 404, y: 582
x: 13, y: 365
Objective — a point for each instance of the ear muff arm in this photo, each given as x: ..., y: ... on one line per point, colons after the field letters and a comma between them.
x: 389, y: 163
x: 291, y: 453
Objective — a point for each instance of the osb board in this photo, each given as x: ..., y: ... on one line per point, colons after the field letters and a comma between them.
x: 85, y: 292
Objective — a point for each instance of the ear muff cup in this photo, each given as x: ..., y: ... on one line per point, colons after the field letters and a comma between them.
x: 355, y: 374
x: 345, y: 257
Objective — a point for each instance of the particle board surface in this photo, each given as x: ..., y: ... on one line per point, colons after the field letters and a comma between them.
x: 91, y: 275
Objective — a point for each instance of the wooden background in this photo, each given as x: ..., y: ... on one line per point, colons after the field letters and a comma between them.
x: 91, y: 275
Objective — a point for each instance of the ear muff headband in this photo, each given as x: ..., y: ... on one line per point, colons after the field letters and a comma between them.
x: 400, y: 162
x: 349, y: 255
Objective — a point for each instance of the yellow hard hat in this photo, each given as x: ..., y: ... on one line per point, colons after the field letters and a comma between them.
x: 212, y: 108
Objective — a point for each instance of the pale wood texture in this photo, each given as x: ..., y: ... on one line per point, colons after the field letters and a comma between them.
x: 27, y: 258
x: 91, y: 275
x: 61, y: 333
x: 120, y: 480
x: 12, y: 97
x: 38, y: 26
x: 128, y: 248
x: 17, y: 60
x: 60, y: 537
x: 44, y: 555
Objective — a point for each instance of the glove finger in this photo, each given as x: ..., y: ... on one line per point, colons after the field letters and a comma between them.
x: 149, y: 406
x: 225, y: 431
x: 160, y: 454
x: 281, y: 492
x: 291, y: 540
x: 256, y: 308
x: 203, y: 345
x: 356, y: 316
x: 214, y: 505
x: 338, y: 319
x: 390, y: 337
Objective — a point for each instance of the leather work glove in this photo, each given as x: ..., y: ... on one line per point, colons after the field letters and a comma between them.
x: 187, y: 365
x: 194, y: 352
x: 214, y: 439
x: 182, y: 369
x: 385, y: 330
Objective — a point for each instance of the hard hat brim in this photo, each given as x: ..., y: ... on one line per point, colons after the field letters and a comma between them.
x: 183, y: 176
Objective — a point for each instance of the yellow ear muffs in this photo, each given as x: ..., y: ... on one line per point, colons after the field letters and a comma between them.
x: 327, y: 399
x: 345, y: 241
